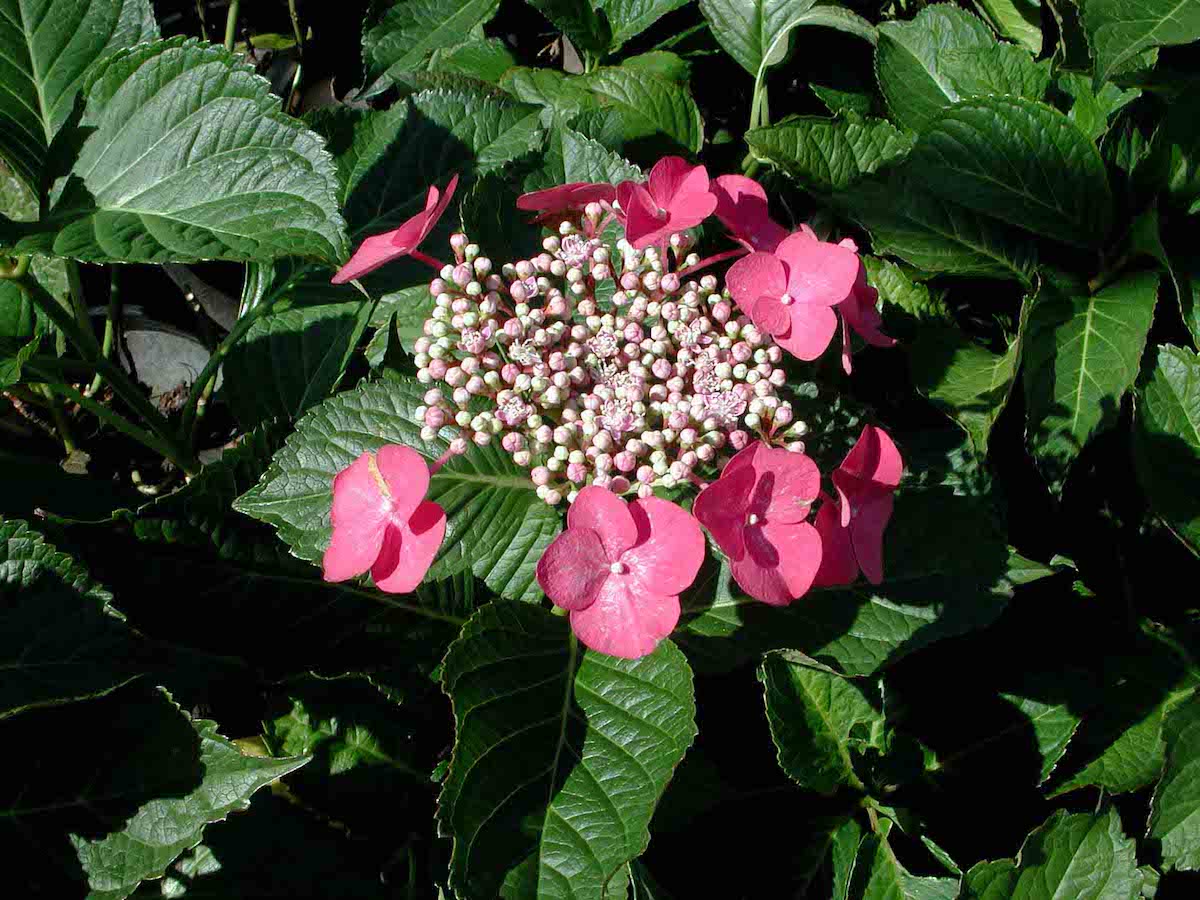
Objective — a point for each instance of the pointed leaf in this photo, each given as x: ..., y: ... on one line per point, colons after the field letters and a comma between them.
x: 404, y: 35
x: 1118, y: 30
x: 828, y: 155
x: 1018, y: 20
x: 1053, y: 726
x: 629, y: 18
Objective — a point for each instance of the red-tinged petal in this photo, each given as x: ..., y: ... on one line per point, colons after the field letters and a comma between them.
x: 689, y: 210
x: 573, y: 568
x: 435, y: 207
x: 606, y: 514
x: 818, y: 272
x: 788, y: 483
x: 754, y: 276
x: 722, y: 507
x: 874, y: 457
x: 574, y: 195
x: 812, y: 329
x: 409, y: 549
x: 742, y: 208
x: 626, y: 620
x: 360, y: 514
x: 780, y: 562
x: 866, y: 535
x: 644, y: 221
x: 744, y: 457
x: 860, y: 314
x: 670, y: 176
x: 406, y: 475
x: 371, y: 254
x: 771, y: 316
x: 838, y: 565
x: 670, y: 546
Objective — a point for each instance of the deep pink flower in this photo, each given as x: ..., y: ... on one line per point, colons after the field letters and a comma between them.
x: 757, y: 511
x: 790, y: 293
x: 572, y: 197
x: 742, y: 208
x: 381, y: 249
x: 852, y: 529
x: 676, y: 197
x: 382, y: 521
x: 619, y: 568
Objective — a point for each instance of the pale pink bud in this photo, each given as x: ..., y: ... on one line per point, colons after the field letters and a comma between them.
x: 630, y: 281
x: 540, y: 476
x: 741, y: 351
x: 625, y: 461
x: 558, y: 306
x: 458, y: 446
x: 438, y: 368
x: 738, y: 439
x: 645, y: 474
x: 577, y: 472
x: 544, y: 434
x: 620, y: 484
x: 435, y: 417
x: 475, y: 385
x: 645, y: 492
x: 482, y: 438
x: 458, y: 242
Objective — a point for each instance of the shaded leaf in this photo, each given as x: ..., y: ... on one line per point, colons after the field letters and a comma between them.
x: 407, y: 32
x: 1053, y: 726
x: 1018, y: 20
x: 629, y: 18
x: 1118, y: 30
x: 1175, y: 809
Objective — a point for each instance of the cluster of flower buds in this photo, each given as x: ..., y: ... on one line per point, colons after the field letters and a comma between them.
x: 598, y: 364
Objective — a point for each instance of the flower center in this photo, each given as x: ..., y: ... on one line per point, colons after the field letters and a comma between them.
x: 786, y: 299
x: 618, y: 568
x: 752, y: 519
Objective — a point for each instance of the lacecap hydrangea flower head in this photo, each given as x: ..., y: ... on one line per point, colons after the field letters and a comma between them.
x: 614, y: 371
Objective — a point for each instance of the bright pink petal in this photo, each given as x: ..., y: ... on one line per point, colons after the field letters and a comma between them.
x: 435, y: 207
x: 645, y: 223
x: 409, y: 549
x: 573, y: 568
x: 670, y: 176
x: 744, y: 457
x: 406, y: 475
x: 575, y: 195
x: 360, y: 515
x: 626, y: 620
x: 693, y: 203
x: 723, y: 505
x: 670, y: 546
x: 818, y: 272
x: 771, y: 316
x: 866, y: 534
x: 780, y: 563
x: 787, y: 485
x: 838, y: 565
x: 874, y: 457
x: 754, y: 276
x: 812, y: 329
x: 860, y: 313
x: 371, y: 254
x: 742, y: 208
x: 606, y: 514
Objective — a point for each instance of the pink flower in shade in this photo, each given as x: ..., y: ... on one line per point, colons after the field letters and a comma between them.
x: 860, y: 315
x: 852, y: 529
x: 757, y: 511
x: 790, y: 293
x: 381, y: 249
x: 382, y: 521
x: 572, y: 197
x: 620, y: 567
x: 742, y: 208
x: 676, y: 197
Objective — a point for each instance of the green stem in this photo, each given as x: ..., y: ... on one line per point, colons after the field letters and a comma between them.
x: 291, y: 97
x: 231, y: 20
x: 110, y: 328
x: 78, y: 306
x: 203, y: 19
x: 61, y: 424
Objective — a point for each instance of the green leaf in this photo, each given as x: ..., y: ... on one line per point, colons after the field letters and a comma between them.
x: 166, y: 826
x: 936, y: 235
x: 1177, y: 142
x: 1053, y: 726
x: 1092, y: 109
x: 1080, y: 856
x: 19, y: 317
x: 14, y: 353
x: 756, y: 32
x: 404, y: 34
x: 61, y: 639
x: 1118, y: 30
x: 898, y: 289
x: 996, y: 70
x: 828, y: 155
x: 1018, y: 20
x: 648, y: 105
x: 908, y: 61
x: 816, y: 716
x: 586, y: 28
x: 1175, y: 809
x: 188, y: 157
x: 572, y: 157
x: 560, y: 756
x: 1166, y: 447
x: 46, y: 47
x: 496, y: 525
x: 1081, y: 355
x: 1021, y: 162
x: 844, y: 102
x: 870, y: 871
x: 629, y: 18
x: 482, y: 57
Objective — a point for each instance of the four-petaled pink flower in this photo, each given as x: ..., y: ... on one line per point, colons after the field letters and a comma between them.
x: 852, y: 529
x: 790, y: 293
x: 742, y: 208
x: 675, y: 197
x: 572, y: 197
x: 382, y: 521
x: 620, y: 567
x: 381, y: 249
x: 757, y: 511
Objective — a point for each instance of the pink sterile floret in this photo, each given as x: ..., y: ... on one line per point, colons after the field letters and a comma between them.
x: 790, y: 293
x: 757, y: 511
x: 381, y: 249
x: 860, y: 315
x: 852, y: 530
x: 381, y: 521
x: 675, y: 197
x: 620, y: 567
x: 742, y: 208
x: 565, y: 198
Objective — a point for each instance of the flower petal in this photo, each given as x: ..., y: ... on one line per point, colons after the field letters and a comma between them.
x: 788, y: 483
x: 573, y: 568
x: 670, y: 546
x: 742, y: 208
x: 409, y: 549
x: 812, y: 329
x: 670, y: 176
x: 626, y: 620
x: 754, y: 276
x: 406, y: 474
x: 866, y: 535
x: 818, y: 272
x: 771, y: 316
x: 859, y: 312
x: 360, y: 514
x: 780, y: 563
x: 645, y: 224
x: 606, y: 514
x: 575, y: 195
x: 722, y: 508
x: 374, y: 252
x: 838, y: 565
x: 434, y: 208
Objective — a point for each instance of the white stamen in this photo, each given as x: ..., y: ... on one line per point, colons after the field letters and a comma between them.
x: 786, y: 299
x: 752, y: 519
x: 617, y: 568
